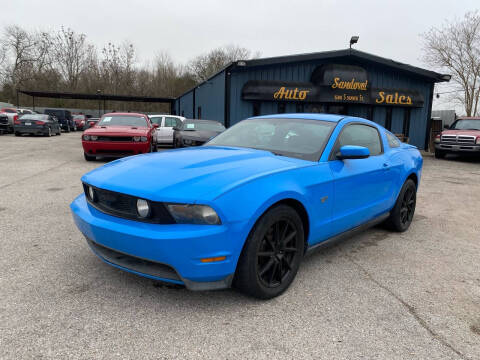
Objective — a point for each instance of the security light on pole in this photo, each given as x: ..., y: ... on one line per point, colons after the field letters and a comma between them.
x: 353, y: 40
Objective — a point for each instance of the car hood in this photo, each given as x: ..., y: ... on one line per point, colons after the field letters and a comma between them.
x: 199, y: 134
x: 188, y: 175
x: 117, y: 130
x: 461, y: 132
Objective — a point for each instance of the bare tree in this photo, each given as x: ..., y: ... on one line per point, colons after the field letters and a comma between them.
x: 455, y: 48
x: 204, y: 66
x: 70, y: 55
x: 117, y: 67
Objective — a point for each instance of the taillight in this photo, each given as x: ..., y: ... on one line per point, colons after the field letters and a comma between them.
x: 15, y: 120
x: 40, y: 122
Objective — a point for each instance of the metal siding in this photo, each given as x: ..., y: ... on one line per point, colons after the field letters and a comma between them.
x: 186, y: 105
x: 210, y: 96
x: 397, y: 120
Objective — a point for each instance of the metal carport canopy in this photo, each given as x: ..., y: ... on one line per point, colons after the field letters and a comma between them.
x: 98, y: 97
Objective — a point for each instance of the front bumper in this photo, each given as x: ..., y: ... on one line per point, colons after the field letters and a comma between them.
x: 117, y: 148
x: 457, y: 147
x: 168, y: 253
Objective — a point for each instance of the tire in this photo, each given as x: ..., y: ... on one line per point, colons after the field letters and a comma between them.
x: 17, y: 133
x: 49, y: 133
x: 439, y: 154
x: 268, y: 264
x: 402, y: 213
x: 154, y: 149
x: 59, y: 132
x: 89, y: 157
x: 68, y: 129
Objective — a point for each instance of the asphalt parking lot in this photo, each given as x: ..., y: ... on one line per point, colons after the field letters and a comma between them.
x: 379, y: 295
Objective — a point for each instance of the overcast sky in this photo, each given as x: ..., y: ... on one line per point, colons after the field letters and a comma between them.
x: 278, y: 27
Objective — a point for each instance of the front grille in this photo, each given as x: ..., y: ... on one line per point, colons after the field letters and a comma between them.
x: 449, y: 138
x: 466, y: 139
x: 125, y: 206
x: 115, y: 138
x: 134, y: 263
x: 3, y: 121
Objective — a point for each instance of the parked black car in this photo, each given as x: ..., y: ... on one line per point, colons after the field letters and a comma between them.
x: 196, y: 132
x: 37, y: 124
x: 64, y: 117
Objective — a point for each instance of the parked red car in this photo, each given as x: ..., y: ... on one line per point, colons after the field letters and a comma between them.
x: 119, y: 134
x: 463, y: 136
x: 80, y: 121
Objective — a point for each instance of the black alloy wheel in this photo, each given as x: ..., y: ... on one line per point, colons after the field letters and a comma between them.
x: 272, y: 254
x: 277, y: 252
x: 402, y: 213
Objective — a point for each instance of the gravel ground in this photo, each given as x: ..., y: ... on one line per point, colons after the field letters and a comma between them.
x: 379, y: 295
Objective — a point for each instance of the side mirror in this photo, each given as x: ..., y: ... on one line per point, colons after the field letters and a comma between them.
x: 446, y: 126
x: 155, y: 126
x: 353, y: 152
x: 91, y: 123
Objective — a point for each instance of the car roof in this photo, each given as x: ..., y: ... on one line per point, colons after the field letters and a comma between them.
x: 124, y: 114
x: 204, y: 121
x: 306, y: 116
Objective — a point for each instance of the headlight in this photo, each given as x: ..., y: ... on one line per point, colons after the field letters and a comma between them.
x: 136, y: 138
x: 143, y: 138
x: 143, y: 209
x: 86, y: 137
x: 193, y: 214
x: 478, y: 141
x: 93, y: 137
x: 91, y: 193
x: 437, y: 139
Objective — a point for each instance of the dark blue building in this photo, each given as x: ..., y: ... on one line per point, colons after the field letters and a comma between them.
x: 350, y: 82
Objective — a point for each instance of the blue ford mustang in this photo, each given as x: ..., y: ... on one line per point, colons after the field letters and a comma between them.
x: 245, y: 208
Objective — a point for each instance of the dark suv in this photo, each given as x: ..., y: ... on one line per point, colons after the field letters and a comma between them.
x: 64, y: 118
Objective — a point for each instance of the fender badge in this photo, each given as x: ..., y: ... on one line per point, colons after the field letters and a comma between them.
x: 323, y: 199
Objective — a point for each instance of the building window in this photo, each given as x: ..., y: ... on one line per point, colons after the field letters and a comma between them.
x: 199, y: 112
x: 256, y: 108
x: 281, y: 108
x: 388, y: 119
x: 300, y: 108
x: 406, y: 122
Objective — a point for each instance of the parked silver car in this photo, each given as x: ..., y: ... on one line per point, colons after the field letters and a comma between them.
x: 166, y: 123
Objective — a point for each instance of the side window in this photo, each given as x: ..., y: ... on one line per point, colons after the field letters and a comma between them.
x: 361, y: 135
x: 170, y: 122
x: 393, y: 141
x: 156, y: 120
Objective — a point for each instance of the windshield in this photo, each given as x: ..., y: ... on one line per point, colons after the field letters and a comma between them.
x: 205, y: 126
x: 123, y: 120
x: 466, y: 124
x: 298, y: 138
